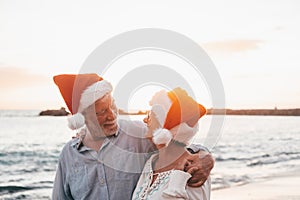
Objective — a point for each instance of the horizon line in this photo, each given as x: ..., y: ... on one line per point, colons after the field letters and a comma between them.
x: 131, y: 110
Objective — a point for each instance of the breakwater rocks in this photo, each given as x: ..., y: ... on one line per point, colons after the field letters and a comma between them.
x: 279, y: 112
x: 61, y: 112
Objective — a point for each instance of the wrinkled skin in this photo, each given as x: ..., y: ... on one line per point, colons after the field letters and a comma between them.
x: 204, y: 163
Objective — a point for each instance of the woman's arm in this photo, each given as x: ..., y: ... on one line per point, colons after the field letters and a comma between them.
x: 178, y: 189
x: 200, y: 193
x: 204, y: 163
x: 177, y: 185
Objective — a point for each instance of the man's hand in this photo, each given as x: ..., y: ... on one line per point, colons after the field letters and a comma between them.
x: 200, y: 165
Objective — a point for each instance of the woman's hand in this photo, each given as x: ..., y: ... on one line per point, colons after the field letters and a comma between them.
x: 186, y: 165
x: 182, y: 164
x: 200, y: 167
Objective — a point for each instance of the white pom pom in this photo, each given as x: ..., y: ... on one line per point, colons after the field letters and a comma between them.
x: 162, y: 136
x: 76, y: 121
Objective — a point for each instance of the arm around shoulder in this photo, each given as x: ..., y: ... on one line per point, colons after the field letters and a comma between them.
x: 203, y: 160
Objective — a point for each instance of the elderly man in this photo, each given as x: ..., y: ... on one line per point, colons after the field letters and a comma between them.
x: 107, y: 158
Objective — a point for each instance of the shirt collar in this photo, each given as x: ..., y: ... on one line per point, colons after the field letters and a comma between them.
x: 78, y: 139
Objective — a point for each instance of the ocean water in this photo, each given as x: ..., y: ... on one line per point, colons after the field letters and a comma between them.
x: 249, y: 149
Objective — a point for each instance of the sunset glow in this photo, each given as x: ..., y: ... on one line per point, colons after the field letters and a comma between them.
x: 253, y: 44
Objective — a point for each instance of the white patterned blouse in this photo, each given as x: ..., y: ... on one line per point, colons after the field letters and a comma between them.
x: 168, y: 185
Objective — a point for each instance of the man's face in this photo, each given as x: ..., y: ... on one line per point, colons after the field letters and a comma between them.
x: 106, y: 114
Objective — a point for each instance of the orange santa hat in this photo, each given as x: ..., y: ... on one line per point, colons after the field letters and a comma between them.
x: 177, y: 114
x: 79, y: 92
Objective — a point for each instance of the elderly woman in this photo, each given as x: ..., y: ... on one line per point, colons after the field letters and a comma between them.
x: 172, y: 123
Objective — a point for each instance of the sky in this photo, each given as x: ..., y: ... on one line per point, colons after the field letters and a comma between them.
x: 253, y: 44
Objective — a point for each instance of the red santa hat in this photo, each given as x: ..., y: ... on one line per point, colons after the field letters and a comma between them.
x: 178, y: 114
x: 79, y: 92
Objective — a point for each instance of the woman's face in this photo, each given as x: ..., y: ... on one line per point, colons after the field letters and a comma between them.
x: 152, y: 124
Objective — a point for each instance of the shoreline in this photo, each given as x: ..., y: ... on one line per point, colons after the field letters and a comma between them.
x: 283, y: 186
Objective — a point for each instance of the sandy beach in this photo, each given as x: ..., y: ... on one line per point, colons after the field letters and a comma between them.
x: 277, y: 188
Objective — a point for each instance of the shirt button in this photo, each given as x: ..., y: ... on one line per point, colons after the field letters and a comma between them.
x: 102, y: 181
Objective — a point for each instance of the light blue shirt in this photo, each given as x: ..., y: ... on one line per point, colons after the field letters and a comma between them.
x: 111, y: 173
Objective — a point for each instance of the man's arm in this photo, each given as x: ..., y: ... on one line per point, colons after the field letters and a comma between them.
x: 59, y: 184
x: 203, y: 161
